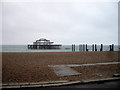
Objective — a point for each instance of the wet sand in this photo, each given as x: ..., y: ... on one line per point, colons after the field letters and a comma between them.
x: 33, y: 66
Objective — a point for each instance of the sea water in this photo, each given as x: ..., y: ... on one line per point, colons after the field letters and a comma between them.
x: 64, y: 48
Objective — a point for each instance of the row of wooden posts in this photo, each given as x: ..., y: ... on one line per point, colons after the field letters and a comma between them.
x: 83, y: 47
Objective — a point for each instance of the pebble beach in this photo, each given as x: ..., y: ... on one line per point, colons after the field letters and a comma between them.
x: 20, y: 67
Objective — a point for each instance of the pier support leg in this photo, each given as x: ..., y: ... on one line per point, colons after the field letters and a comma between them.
x: 112, y: 47
x: 95, y: 47
x: 101, y: 48
x: 86, y: 48
x: 83, y: 47
x: 74, y: 47
x: 92, y: 47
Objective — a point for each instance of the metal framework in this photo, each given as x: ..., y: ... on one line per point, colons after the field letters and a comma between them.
x: 44, y: 44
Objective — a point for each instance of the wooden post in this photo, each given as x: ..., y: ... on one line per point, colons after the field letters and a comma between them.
x: 74, y: 47
x: 101, y: 48
x: 79, y: 48
x: 112, y: 47
x: 86, y: 48
x: 83, y: 47
x: 31, y: 46
x: 95, y: 47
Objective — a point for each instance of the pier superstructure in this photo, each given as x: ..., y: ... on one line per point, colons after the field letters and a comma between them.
x: 44, y: 44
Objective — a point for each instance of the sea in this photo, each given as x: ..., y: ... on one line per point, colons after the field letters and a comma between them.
x: 64, y: 48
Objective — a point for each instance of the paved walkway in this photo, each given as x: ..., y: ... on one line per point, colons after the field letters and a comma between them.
x: 62, y: 70
x: 65, y: 70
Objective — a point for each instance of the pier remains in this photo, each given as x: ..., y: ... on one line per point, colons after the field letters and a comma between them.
x: 44, y: 44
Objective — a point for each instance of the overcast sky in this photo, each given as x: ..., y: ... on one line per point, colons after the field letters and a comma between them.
x: 64, y: 23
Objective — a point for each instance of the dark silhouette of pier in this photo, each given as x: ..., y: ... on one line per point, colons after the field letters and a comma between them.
x: 43, y: 44
x: 83, y: 47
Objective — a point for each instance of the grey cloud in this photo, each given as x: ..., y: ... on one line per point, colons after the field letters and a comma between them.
x: 64, y: 22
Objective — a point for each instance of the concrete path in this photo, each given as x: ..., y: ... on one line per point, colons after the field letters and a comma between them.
x: 94, y: 64
x: 65, y: 70
x: 62, y: 70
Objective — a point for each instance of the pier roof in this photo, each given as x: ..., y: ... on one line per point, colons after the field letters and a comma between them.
x: 42, y: 39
